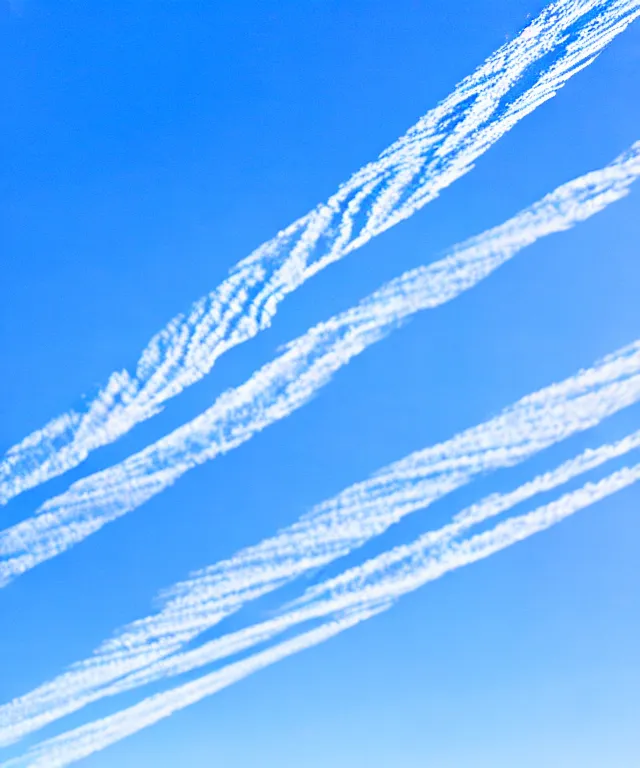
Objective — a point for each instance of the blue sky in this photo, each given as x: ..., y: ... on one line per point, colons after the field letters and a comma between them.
x: 150, y: 145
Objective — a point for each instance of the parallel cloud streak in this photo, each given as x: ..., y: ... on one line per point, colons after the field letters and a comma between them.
x: 148, y: 649
x: 440, y: 148
x: 290, y: 380
x: 357, y: 595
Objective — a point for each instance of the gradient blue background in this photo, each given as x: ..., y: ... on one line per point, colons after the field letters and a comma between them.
x: 150, y: 144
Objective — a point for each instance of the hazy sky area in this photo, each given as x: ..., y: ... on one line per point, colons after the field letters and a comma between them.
x: 150, y: 145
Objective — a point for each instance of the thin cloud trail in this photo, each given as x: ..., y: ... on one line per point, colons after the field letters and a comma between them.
x: 408, y: 567
x: 440, y: 148
x: 416, y: 560
x: 290, y: 380
x: 436, y: 540
x: 332, y: 529
x: 405, y: 564
x: 50, y: 755
x: 352, y: 598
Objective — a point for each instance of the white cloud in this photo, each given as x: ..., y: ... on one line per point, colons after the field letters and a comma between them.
x: 356, y: 596
x: 290, y: 380
x: 440, y: 148
x: 149, y: 648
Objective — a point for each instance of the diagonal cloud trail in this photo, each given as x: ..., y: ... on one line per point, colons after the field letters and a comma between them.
x: 441, y: 147
x: 407, y: 567
x: 79, y: 745
x: 356, y: 596
x: 142, y: 652
x: 290, y: 380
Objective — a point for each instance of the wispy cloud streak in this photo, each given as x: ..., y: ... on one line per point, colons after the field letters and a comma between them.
x: 408, y: 567
x: 356, y: 596
x: 441, y: 147
x: 290, y: 380
x: 148, y: 649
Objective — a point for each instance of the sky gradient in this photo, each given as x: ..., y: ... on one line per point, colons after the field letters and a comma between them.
x: 152, y: 145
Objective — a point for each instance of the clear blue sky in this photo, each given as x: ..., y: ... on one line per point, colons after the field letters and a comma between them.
x: 150, y: 144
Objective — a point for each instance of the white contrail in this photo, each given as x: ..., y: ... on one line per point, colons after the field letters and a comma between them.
x: 442, y: 146
x: 75, y: 747
x: 357, y: 595
x: 138, y: 654
x: 408, y: 567
x: 307, y: 364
